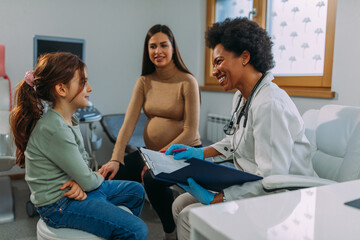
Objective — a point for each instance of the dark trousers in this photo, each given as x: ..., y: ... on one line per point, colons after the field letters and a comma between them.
x: 158, y: 192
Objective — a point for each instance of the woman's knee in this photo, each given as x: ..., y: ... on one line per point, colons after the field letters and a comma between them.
x: 176, y: 208
x: 183, y: 217
x: 180, y: 203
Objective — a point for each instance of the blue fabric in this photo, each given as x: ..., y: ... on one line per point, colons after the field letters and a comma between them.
x: 191, y: 152
x: 99, y: 214
x: 198, y: 192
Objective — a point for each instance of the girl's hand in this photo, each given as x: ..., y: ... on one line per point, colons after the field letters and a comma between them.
x: 75, y: 191
x: 110, y: 167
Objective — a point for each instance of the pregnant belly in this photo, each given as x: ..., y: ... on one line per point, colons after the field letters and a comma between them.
x: 161, y: 131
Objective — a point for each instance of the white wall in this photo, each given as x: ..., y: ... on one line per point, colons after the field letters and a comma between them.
x: 114, y: 31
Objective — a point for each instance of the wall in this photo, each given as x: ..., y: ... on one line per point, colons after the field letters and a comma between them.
x: 114, y: 31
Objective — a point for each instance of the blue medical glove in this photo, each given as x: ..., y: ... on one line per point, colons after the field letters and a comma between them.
x: 190, y: 152
x: 198, y: 192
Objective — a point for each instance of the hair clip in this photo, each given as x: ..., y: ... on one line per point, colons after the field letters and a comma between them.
x: 29, y: 78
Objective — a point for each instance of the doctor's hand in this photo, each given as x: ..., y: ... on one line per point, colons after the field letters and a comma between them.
x: 111, y: 167
x: 198, y: 192
x: 190, y: 152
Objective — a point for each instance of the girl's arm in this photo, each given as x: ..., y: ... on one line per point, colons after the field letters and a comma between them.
x: 63, y: 150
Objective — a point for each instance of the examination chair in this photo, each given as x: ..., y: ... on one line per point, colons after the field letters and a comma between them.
x: 7, y: 149
x: 44, y: 232
x: 334, y: 135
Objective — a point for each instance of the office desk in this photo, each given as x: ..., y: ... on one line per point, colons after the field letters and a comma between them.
x: 312, y: 213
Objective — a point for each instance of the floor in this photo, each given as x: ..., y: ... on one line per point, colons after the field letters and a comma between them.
x: 24, y: 227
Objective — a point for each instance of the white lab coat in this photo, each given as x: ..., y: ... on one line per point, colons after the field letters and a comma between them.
x: 273, y: 141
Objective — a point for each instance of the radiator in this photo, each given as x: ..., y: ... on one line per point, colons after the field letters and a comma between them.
x: 215, y: 126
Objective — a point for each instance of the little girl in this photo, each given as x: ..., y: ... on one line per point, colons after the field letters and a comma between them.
x: 66, y: 192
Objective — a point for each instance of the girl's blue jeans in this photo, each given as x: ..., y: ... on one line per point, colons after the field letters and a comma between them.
x: 99, y: 214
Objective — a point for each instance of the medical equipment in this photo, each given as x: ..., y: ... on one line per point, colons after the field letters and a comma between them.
x: 7, y: 147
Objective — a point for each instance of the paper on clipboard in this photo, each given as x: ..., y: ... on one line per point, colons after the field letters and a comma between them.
x: 161, y: 163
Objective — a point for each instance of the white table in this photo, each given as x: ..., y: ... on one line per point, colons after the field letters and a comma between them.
x: 312, y: 213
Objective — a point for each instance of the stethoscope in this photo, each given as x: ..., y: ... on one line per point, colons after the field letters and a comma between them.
x: 229, y: 128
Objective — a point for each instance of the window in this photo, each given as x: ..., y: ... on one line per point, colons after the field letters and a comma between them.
x: 303, y: 35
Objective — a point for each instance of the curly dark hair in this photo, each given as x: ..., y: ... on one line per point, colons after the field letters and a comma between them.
x: 242, y: 34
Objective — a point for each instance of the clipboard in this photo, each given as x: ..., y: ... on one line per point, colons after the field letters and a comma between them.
x: 209, y: 175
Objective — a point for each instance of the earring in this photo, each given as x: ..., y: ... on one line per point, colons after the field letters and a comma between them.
x: 244, y: 63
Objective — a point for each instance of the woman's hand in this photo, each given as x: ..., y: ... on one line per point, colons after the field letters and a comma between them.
x: 75, y: 191
x: 143, y: 172
x: 190, y: 152
x: 198, y: 192
x: 110, y: 167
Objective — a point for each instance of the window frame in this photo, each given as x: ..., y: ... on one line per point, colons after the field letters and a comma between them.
x: 306, y: 86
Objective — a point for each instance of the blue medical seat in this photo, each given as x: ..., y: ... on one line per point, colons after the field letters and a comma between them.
x: 112, y: 123
x: 7, y: 149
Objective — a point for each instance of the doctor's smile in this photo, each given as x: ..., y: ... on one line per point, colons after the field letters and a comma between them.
x: 221, y: 78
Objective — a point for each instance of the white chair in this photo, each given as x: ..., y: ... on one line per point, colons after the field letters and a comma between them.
x: 334, y: 135
x: 6, y: 155
x: 7, y: 160
x: 44, y: 232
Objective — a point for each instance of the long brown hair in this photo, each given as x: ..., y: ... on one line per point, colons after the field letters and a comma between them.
x: 148, y: 67
x: 51, y: 69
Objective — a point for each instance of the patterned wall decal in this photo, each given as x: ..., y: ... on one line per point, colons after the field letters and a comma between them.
x: 232, y: 8
x: 297, y: 28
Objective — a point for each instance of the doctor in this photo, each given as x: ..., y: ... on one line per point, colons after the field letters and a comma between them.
x: 266, y: 133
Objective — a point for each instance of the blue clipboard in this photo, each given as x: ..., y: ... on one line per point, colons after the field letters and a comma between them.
x: 209, y: 175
